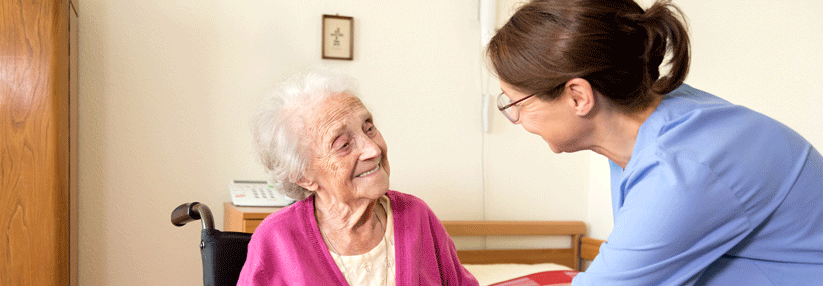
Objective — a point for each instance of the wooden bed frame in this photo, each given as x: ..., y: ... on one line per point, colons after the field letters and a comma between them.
x: 582, y: 248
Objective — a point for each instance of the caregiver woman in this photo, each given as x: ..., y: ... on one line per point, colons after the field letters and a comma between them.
x: 704, y: 192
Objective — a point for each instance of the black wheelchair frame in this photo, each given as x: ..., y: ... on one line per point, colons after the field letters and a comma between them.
x: 223, y: 253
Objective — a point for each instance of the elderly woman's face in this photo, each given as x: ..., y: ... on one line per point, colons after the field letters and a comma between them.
x: 347, y: 152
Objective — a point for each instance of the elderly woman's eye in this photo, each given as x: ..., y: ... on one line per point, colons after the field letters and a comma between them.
x: 344, y: 145
x: 340, y: 143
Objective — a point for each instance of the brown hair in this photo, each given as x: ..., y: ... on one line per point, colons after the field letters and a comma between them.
x: 613, y: 44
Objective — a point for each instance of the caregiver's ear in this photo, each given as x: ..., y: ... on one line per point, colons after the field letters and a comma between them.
x: 582, y: 95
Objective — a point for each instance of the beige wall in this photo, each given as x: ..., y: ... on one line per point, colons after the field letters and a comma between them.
x: 167, y: 88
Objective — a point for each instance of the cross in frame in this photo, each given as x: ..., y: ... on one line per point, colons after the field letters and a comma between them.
x: 337, y: 34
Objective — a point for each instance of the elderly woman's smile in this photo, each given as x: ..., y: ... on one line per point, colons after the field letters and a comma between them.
x: 369, y: 172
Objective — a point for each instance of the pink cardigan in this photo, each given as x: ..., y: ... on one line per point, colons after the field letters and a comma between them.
x: 287, y: 249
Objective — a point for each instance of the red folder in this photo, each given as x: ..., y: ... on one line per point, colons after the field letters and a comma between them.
x: 541, y: 279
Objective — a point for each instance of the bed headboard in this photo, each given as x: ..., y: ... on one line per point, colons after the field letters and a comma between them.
x: 564, y: 256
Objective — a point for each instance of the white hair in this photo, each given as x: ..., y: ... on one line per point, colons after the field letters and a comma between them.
x: 277, y: 121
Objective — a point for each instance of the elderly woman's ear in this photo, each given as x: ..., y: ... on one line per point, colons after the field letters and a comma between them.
x: 307, y: 184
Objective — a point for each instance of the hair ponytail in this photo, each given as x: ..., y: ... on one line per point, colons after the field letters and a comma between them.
x: 666, y: 32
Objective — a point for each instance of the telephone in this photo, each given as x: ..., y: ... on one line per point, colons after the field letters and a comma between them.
x: 257, y: 194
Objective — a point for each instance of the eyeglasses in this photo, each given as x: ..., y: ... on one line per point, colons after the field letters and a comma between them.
x: 505, y: 104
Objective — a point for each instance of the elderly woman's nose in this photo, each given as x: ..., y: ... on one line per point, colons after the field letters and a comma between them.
x: 369, y: 148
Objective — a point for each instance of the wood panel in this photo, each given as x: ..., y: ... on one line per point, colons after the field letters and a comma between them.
x: 564, y: 256
x: 481, y: 228
x: 590, y: 248
x: 244, y: 219
x: 74, y: 139
x: 250, y: 225
x: 34, y: 143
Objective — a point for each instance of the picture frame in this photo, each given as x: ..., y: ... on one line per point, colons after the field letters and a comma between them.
x: 338, y: 37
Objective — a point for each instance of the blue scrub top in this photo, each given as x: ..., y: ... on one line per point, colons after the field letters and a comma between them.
x: 714, y: 194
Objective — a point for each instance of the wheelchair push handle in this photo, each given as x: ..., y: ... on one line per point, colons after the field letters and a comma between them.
x: 190, y: 212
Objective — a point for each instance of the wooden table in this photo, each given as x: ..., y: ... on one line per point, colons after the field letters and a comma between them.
x: 244, y: 219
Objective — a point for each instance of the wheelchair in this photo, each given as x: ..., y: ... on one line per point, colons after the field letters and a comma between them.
x: 223, y: 253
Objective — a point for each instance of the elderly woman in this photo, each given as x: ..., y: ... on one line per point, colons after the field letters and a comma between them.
x: 320, y: 145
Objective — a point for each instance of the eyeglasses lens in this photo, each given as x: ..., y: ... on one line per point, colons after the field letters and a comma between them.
x: 511, y: 111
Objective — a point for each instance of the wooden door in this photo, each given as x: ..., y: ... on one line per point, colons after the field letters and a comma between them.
x: 35, y: 150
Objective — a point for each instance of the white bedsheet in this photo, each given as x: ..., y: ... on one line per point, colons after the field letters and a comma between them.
x: 493, y: 273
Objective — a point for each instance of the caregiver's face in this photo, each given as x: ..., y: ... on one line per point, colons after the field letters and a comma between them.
x: 551, y: 120
x: 348, y: 154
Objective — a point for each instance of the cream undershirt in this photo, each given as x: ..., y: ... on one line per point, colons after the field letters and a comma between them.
x: 370, y: 268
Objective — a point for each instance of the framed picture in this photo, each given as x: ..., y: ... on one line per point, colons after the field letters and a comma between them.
x: 338, y: 37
